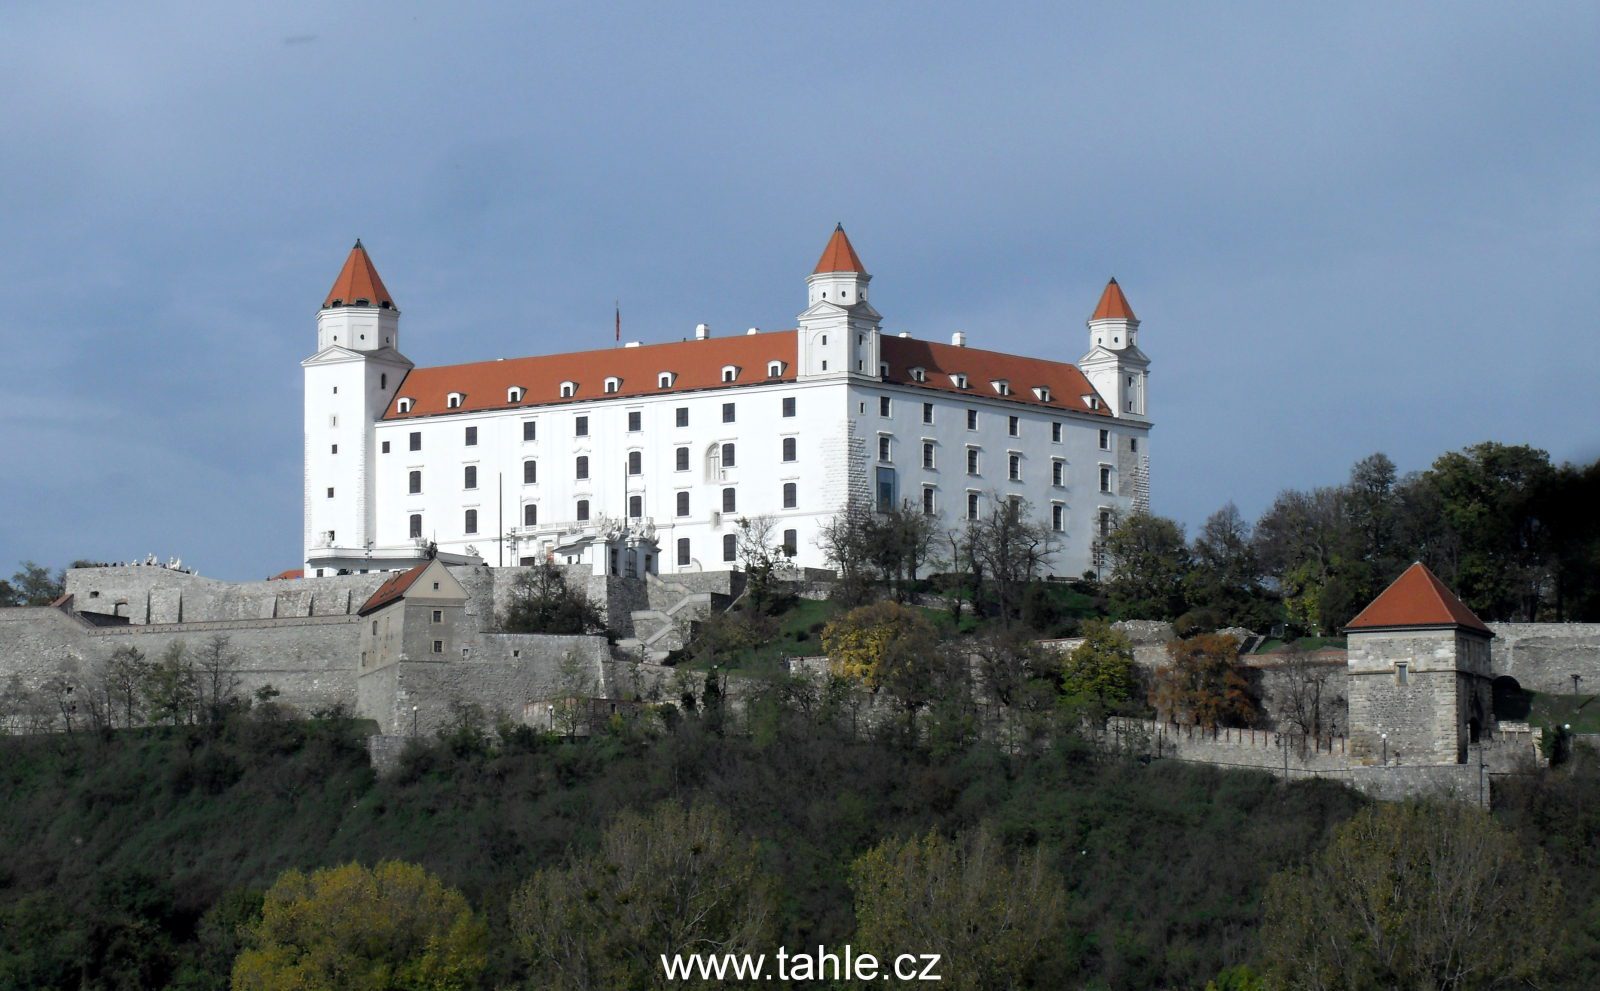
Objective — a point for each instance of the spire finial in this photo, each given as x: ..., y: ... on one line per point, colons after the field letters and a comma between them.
x: 358, y: 245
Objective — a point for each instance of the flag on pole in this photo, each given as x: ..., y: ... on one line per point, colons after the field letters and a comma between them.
x: 619, y: 321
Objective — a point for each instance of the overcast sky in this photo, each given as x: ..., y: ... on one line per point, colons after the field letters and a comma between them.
x: 1346, y: 227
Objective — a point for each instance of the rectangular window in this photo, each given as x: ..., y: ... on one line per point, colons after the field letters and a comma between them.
x: 414, y: 482
x: 791, y: 495
x: 1105, y: 440
x: 727, y: 412
x: 1058, y: 473
x: 438, y: 646
x: 1055, y: 433
x: 1105, y: 479
x: 635, y: 507
x: 530, y: 514
x: 330, y: 492
x: 471, y: 524
x: 416, y: 440
x: 469, y: 479
x: 1014, y: 467
x: 1058, y: 517
x: 635, y: 462
x: 583, y: 510
x: 727, y: 456
x: 530, y: 430
x: 972, y: 505
x: 972, y: 419
x: 582, y: 467
x: 883, y: 449
x: 683, y: 504
x: 472, y: 436
x: 791, y: 542
x: 415, y: 525
x: 927, y: 500
x: 1133, y: 445
x: 335, y: 449
x: 635, y: 421
x: 888, y: 493
x: 438, y: 615
x: 1105, y: 522
x: 927, y: 454
x: 788, y: 406
x: 385, y: 447
x: 683, y: 459
x: 788, y: 449
x: 730, y: 547
x: 681, y: 416
x: 972, y: 461
x: 580, y: 427
x: 530, y: 472
x: 883, y: 405
x: 1401, y: 672
x: 683, y: 551
x: 730, y: 500
x: 927, y: 412
x: 1012, y: 425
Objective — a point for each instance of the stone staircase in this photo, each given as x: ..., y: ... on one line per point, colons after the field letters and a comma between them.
x: 661, y: 628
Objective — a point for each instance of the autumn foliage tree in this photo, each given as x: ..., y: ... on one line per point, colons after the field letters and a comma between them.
x: 393, y: 927
x: 1099, y: 671
x: 1204, y: 682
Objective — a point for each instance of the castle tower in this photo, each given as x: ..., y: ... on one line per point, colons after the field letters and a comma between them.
x: 1417, y: 675
x: 839, y: 328
x: 348, y: 383
x: 1114, y: 364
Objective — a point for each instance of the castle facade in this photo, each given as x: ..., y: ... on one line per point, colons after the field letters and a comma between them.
x: 646, y: 458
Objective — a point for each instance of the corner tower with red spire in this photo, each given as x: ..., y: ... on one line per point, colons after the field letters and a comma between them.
x: 1114, y: 364
x: 349, y: 382
x: 838, y: 330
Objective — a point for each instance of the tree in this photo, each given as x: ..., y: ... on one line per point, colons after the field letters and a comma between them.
x: 1224, y: 585
x: 217, y: 678
x: 1304, y: 687
x: 678, y: 881
x: 1413, y: 896
x: 1099, y: 671
x: 759, y: 556
x: 869, y: 642
x: 846, y: 541
x: 1008, y: 547
x: 1147, y: 559
x: 35, y: 585
x: 351, y: 928
x: 170, y: 691
x: 1204, y: 681
x: 541, y: 601
x: 126, y: 673
x: 1301, y: 541
x: 991, y: 919
x: 898, y: 545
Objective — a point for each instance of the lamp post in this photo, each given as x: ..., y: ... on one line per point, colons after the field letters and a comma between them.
x: 413, y: 720
x: 1385, y: 737
x: 552, y: 711
x: 1576, y: 677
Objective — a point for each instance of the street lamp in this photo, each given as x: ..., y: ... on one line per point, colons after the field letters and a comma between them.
x: 1575, y: 679
x: 413, y: 720
x: 1385, y: 737
x: 551, y: 709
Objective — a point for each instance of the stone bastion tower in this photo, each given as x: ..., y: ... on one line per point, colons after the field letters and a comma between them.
x: 1418, y: 675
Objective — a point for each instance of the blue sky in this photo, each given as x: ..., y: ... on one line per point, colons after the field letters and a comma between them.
x: 1346, y: 228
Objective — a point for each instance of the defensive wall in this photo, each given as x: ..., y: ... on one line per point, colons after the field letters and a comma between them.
x: 1543, y: 657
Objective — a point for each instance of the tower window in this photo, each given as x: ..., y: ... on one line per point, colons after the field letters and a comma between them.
x: 682, y: 463
x: 972, y: 461
x: 791, y: 542
x: 635, y: 462
x: 635, y: 507
x: 1055, y: 433
x: 927, y: 454
x: 1058, y: 517
x: 415, y: 525
x: 683, y: 551
x: 383, y: 380
x: 927, y: 500
x: 471, y: 522
x: 883, y: 406
x: 385, y: 447
x: 791, y: 495
x: 1105, y: 479
x: 730, y: 547
x: 730, y: 500
x: 414, y: 480
x: 727, y: 456
x: 334, y: 449
x: 884, y: 449
x: 1013, y: 425
x: 330, y: 492
x: 530, y: 472
x: 530, y: 514
x: 1133, y: 445
x: 1402, y: 672
x: 972, y: 505
x: 683, y: 504
x: 583, y: 510
x: 789, y: 449
x: 469, y: 478
x: 1105, y: 440
x: 1014, y: 467
x: 1058, y: 473
x: 582, y: 466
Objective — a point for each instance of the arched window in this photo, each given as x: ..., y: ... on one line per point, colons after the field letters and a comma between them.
x: 583, y: 510
x: 383, y: 381
x: 469, y: 478
x: 730, y: 500
x: 635, y: 507
x: 665, y: 379
x: 530, y: 514
x: 683, y: 504
x: 402, y: 405
x: 414, y: 482
x: 471, y: 523
x: 683, y: 551
x: 791, y: 495
x: 454, y: 400
x: 613, y: 384
x: 730, y: 373
x: 416, y: 525
x: 569, y: 389
x: 791, y: 543
x: 582, y: 467
x: 530, y: 472
x: 788, y: 449
x: 727, y: 455
x: 730, y: 547
x: 514, y: 394
x: 774, y: 369
x: 635, y: 462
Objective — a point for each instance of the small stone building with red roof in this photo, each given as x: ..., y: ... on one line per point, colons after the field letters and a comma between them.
x: 643, y: 458
x: 1418, y: 675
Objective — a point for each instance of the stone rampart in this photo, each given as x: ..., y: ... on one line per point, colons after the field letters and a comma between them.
x: 150, y: 595
x: 1543, y: 657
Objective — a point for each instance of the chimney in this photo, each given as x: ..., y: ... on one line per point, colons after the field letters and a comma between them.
x: 752, y: 330
x: 702, y: 331
x: 959, y: 339
x: 631, y: 344
x: 904, y: 333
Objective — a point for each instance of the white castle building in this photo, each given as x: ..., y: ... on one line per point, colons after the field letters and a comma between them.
x: 645, y: 457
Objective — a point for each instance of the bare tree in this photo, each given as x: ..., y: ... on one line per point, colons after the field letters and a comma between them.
x: 1304, y: 682
x: 1009, y: 547
x: 846, y: 542
x: 759, y: 556
x: 217, y: 677
x: 125, y: 672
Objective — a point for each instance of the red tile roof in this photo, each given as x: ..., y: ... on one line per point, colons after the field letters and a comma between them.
x: 291, y: 573
x: 698, y: 365
x: 1113, y: 304
x: 358, y: 280
x: 839, y: 255
x: 694, y: 364
x: 393, y: 589
x: 1416, y: 599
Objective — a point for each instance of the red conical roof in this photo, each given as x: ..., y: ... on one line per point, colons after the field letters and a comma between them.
x: 1113, y: 305
x: 358, y: 280
x: 1416, y: 598
x: 839, y: 256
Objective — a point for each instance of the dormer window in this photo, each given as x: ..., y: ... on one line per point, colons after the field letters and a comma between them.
x: 730, y: 373
x: 959, y: 381
x: 453, y: 401
x: 569, y: 389
x: 402, y: 405
x: 919, y: 375
x: 1093, y: 402
x: 612, y: 383
x: 1001, y: 386
x: 1042, y: 393
x: 665, y: 380
x: 515, y: 394
x: 883, y: 369
x: 774, y: 369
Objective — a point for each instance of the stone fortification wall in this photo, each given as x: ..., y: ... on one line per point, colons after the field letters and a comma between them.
x: 1543, y: 657
x: 150, y: 595
x: 1224, y: 747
